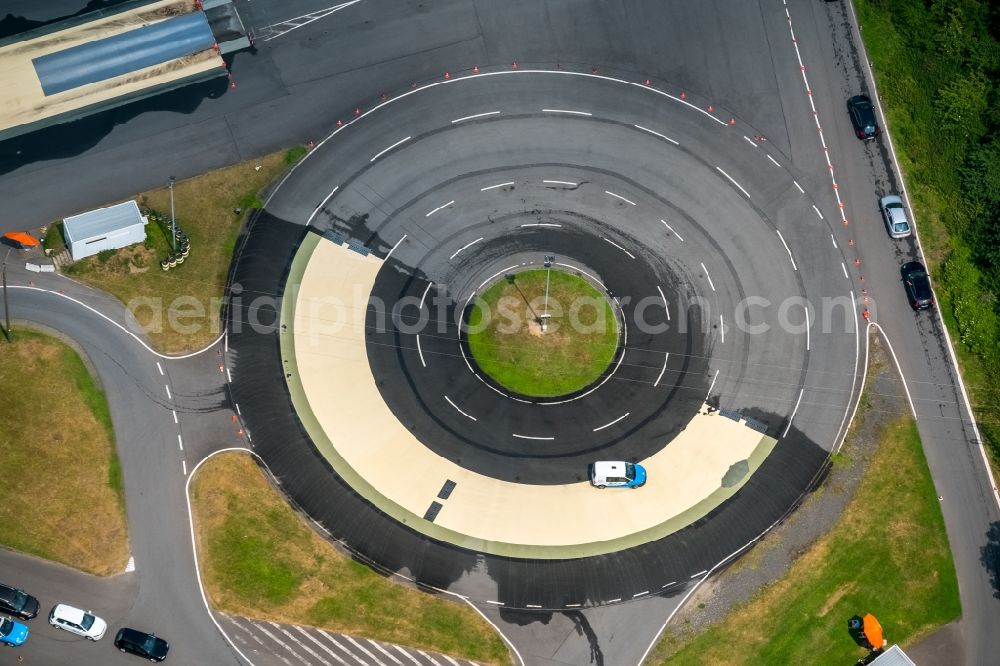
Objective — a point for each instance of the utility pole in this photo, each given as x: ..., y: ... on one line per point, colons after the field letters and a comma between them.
x: 549, y: 258
x: 173, y: 219
x: 6, y: 305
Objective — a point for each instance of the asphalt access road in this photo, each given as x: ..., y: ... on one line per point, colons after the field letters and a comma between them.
x: 162, y: 595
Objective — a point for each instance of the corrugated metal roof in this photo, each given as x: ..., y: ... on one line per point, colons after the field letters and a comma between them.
x: 102, y: 221
x: 123, y: 53
x: 894, y: 656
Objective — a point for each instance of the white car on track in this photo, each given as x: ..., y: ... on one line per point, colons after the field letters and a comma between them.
x: 76, y: 621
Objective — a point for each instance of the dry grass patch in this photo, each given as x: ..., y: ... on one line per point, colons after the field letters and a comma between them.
x: 179, y: 308
x: 260, y: 559
x: 61, y: 498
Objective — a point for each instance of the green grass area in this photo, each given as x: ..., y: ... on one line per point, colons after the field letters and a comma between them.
x: 260, y: 559
x: 887, y: 555
x: 509, y: 345
x: 62, y: 494
x: 937, y: 65
x: 53, y: 241
x: 179, y: 309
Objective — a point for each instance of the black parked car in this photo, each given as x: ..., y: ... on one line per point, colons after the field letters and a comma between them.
x: 862, y: 114
x: 917, y: 285
x: 17, y: 602
x: 140, y: 643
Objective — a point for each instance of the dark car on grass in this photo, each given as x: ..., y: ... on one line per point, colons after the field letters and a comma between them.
x: 17, y: 602
x: 140, y: 643
x: 917, y: 285
x: 862, y: 113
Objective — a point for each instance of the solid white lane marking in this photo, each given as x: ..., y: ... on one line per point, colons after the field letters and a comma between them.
x: 160, y: 368
x: 459, y: 409
x: 180, y: 443
x: 422, y: 298
x: 541, y: 224
x: 709, y: 277
x: 712, y: 386
x: 794, y: 410
x: 532, y: 437
x: 666, y: 308
x: 323, y: 647
x: 669, y: 228
x: 583, y: 272
x: 493, y: 187
x: 801, y: 191
x: 568, y: 183
x: 722, y: 329
x: 398, y: 243
x: 662, y: 136
x: 497, y: 274
x: 842, y: 266
x: 750, y: 141
x: 608, y: 425
x: 808, y: 344
x: 666, y: 358
x: 420, y: 352
x: 440, y: 208
x: 572, y: 113
x: 384, y: 651
x: 618, y: 196
x: 398, y: 143
x: 817, y: 212
x: 465, y: 247
x: 184, y: 467
x: 469, y: 299
x: 474, y: 116
x: 174, y: 412
x: 773, y: 160
x: 320, y: 206
x: 608, y: 240
x: 834, y: 241
x: 731, y: 180
x: 787, y: 249
x: 167, y: 386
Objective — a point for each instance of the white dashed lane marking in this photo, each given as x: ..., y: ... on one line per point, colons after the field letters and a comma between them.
x: 572, y: 113
x: 477, y: 115
x: 707, y: 276
x: 493, y: 187
x: 671, y: 230
x: 395, y: 145
x: 618, y: 196
x: 608, y: 240
x: 459, y: 409
x: 662, y: 136
x: 440, y: 208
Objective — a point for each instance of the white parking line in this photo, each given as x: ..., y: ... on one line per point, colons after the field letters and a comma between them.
x: 321, y: 646
x: 660, y: 376
x: 420, y: 352
x: 398, y: 243
x: 465, y: 247
x: 573, y: 113
x: 710, y: 283
x: 531, y: 437
x: 459, y: 410
x: 618, y: 196
x: 608, y: 425
x: 731, y: 180
x: 608, y: 240
x: 473, y: 117
x: 440, y: 208
x: 398, y: 143
x: 662, y: 136
x: 669, y: 228
x: 493, y: 187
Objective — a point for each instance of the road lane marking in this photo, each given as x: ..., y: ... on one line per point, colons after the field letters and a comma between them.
x: 808, y: 344
x: 712, y: 386
x: 174, y: 411
x: 618, y: 196
x: 817, y: 212
x: 842, y: 266
x: 750, y: 141
x: 384, y: 651
x: 666, y: 308
x: 710, y: 283
x: 794, y: 410
x: 184, y: 467
x: 572, y: 113
x: 608, y: 425
x: 834, y: 241
x: 474, y: 116
x: 301, y: 644
x: 608, y: 240
x: 560, y: 182
x: 167, y: 386
x: 160, y: 368
x: 662, y: 136
x: 665, y: 359
x: 394, y: 247
x: 796, y: 183
x: 493, y: 187
x: 398, y: 143
x: 731, y: 180
x: 545, y: 439
x: 671, y: 229
x: 424, y: 297
x: 459, y: 409
x: 420, y: 352
x: 722, y: 329
x: 773, y: 160
x: 180, y: 443
x: 541, y: 224
x: 321, y: 646
x: 406, y: 654
x: 440, y: 208
x: 787, y: 249
x: 465, y: 247
x: 317, y: 209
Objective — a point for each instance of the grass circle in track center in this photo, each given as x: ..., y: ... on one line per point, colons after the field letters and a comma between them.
x: 506, y: 339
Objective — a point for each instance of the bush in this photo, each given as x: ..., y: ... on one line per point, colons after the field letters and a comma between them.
x: 104, y: 256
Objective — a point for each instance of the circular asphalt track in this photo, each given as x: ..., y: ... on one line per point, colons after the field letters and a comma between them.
x: 727, y: 278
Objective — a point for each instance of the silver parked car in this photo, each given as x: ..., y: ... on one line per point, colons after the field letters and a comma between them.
x: 894, y: 216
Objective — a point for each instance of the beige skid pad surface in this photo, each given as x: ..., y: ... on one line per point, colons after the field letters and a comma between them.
x: 364, y: 435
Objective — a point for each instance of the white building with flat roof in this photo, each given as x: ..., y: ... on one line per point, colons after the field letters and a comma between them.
x: 104, y: 229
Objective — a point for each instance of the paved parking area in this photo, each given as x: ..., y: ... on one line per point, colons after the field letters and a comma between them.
x: 273, y: 644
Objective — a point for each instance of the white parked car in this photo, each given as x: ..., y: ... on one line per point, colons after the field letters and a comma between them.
x: 76, y: 621
x: 617, y: 474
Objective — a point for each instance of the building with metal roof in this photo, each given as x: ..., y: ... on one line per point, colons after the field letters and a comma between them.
x: 894, y: 656
x: 104, y: 229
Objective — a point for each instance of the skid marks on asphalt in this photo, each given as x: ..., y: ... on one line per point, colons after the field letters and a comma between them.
x: 273, y: 644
